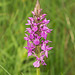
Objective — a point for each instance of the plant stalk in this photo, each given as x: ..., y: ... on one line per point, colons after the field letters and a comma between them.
x: 36, y: 10
x: 38, y: 71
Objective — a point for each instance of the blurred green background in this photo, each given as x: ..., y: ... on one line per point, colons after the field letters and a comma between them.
x: 13, y: 56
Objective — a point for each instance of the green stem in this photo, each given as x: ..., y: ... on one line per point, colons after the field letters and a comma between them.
x: 38, y: 71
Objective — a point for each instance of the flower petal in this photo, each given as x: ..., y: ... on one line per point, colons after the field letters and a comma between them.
x: 36, y: 41
x: 29, y: 30
x: 43, y: 34
x: 36, y: 64
x: 29, y: 53
x: 49, y: 48
x: 35, y: 28
x: 46, y: 53
x: 26, y: 38
x: 31, y: 36
x: 44, y: 63
x: 43, y: 47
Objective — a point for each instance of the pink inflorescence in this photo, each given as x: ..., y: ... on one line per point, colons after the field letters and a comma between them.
x: 36, y: 40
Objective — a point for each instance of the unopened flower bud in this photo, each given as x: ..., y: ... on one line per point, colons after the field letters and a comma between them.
x: 37, y: 9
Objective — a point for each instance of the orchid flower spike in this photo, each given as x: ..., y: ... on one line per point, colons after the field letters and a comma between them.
x: 37, y: 36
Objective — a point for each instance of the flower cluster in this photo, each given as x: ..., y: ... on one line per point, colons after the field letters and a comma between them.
x: 36, y: 40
